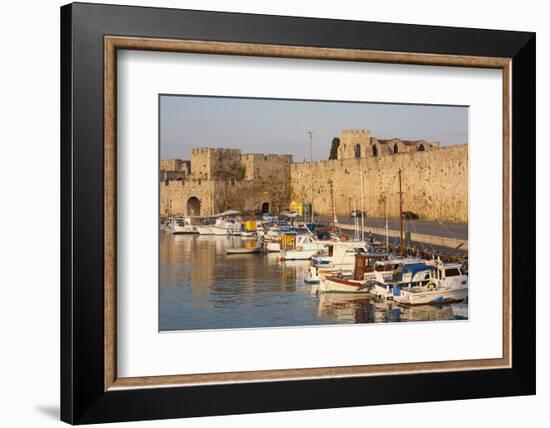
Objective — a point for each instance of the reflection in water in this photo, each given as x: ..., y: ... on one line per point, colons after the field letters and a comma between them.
x: 201, y: 287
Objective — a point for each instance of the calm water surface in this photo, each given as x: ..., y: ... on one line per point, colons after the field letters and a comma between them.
x: 201, y: 287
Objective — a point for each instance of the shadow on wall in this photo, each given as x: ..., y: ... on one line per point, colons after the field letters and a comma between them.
x: 50, y: 411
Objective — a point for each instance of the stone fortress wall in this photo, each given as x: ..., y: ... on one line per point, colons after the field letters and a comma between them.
x: 434, y: 184
x: 434, y: 180
x: 223, y: 179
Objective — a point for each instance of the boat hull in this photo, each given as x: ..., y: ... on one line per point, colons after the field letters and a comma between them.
x: 298, y: 255
x: 433, y: 297
x: 218, y: 231
x: 273, y: 247
x: 204, y: 230
x: 335, y: 285
x: 382, y: 291
x: 315, y: 274
x: 184, y: 230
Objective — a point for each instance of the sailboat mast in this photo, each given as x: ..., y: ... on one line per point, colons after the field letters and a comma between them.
x: 310, y: 135
x: 332, y: 202
x: 362, y: 203
x: 400, y: 216
x: 355, y: 222
x: 383, y: 200
x: 213, y: 208
x: 386, y: 221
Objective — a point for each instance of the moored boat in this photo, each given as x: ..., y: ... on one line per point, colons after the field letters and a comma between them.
x: 227, y: 223
x: 447, y: 283
x: 398, y: 272
x: 182, y: 225
x: 356, y: 282
x: 204, y: 230
x: 273, y: 236
x: 302, y: 247
x: 340, y: 255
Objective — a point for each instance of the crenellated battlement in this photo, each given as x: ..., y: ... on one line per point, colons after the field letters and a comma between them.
x: 266, y: 157
x: 215, y: 150
x: 354, y: 132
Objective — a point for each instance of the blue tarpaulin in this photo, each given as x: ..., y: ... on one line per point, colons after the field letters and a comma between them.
x: 417, y: 267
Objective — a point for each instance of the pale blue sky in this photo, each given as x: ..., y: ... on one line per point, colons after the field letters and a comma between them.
x: 280, y: 126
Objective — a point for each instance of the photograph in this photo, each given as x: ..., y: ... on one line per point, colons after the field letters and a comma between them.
x: 291, y: 212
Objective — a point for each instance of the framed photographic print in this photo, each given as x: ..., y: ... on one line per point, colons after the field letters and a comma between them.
x: 265, y: 213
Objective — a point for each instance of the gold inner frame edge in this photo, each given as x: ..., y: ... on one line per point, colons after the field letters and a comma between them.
x: 113, y: 43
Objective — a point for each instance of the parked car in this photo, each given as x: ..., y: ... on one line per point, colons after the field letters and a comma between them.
x: 357, y: 213
x: 409, y: 215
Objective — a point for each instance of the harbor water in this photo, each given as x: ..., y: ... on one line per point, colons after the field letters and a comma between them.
x: 202, y: 287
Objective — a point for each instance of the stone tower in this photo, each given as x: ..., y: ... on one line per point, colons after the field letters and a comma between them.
x: 208, y: 163
x: 354, y: 143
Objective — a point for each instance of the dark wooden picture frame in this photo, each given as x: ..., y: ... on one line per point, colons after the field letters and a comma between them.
x: 90, y: 37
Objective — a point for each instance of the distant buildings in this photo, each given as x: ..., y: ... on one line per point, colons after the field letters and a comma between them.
x: 358, y: 143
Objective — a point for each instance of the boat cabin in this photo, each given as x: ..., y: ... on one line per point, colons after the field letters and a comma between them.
x: 415, y: 273
x: 450, y: 275
x: 365, y: 263
x: 436, y: 273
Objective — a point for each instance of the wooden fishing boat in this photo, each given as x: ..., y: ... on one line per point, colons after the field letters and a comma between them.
x: 355, y: 283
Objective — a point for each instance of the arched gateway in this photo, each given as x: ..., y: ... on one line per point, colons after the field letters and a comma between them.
x: 193, y: 206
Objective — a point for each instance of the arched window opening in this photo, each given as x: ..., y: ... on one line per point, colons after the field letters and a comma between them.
x: 421, y: 148
x: 374, y: 151
x: 395, y: 148
x: 357, y: 151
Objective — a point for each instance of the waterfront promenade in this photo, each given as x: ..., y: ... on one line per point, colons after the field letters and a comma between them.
x: 432, y: 233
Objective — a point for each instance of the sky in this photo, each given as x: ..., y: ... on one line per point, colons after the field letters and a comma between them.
x: 256, y: 125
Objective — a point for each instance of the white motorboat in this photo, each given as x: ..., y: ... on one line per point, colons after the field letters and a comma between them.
x: 273, y: 246
x: 273, y: 236
x: 302, y: 247
x: 204, y: 230
x: 446, y: 283
x: 182, y: 225
x: 220, y: 231
x: 339, y: 260
x: 340, y: 255
x: 410, y: 272
x: 228, y: 225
